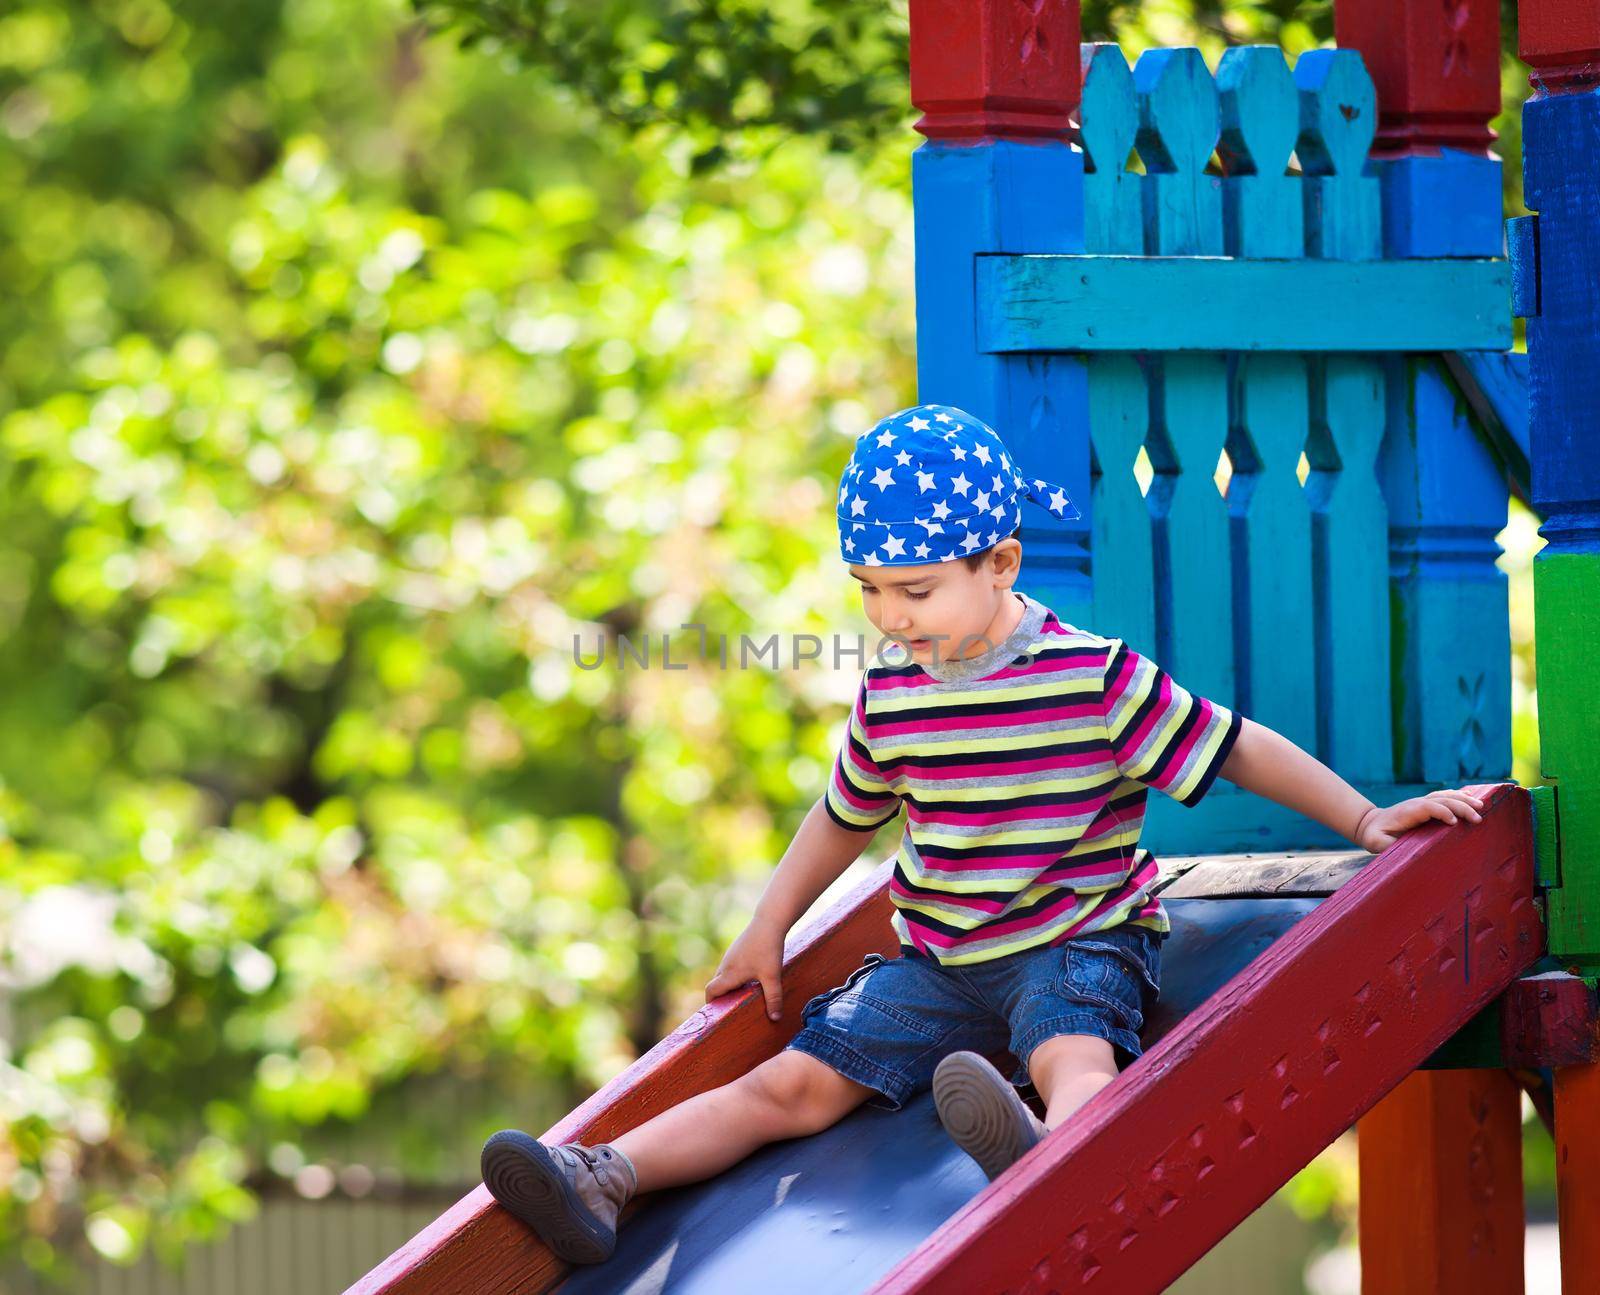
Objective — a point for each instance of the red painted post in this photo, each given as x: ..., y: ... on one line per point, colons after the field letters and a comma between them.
x: 1577, y: 1100
x: 1447, y: 1215
x: 1436, y: 67
x: 1155, y: 1169
x: 994, y: 69
x: 1560, y: 41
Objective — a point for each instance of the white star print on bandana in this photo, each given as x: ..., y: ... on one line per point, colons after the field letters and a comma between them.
x: 906, y: 496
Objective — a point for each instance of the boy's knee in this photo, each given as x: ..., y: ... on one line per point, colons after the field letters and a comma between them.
x: 802, y: 1090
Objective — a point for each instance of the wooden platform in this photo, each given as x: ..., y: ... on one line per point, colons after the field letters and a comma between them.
x: 1312, y: 873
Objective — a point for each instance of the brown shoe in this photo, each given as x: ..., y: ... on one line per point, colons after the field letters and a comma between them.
x: 981, y: 1111
x: 569, y: 1194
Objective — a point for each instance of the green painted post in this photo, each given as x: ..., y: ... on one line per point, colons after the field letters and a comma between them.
x: 1561, y: 170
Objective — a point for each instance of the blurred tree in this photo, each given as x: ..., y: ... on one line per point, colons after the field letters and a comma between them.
x: 347, y: 379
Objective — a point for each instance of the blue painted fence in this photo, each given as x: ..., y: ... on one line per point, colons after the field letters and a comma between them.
x: 1315, y: 545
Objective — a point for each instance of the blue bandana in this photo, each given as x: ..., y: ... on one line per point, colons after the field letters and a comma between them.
x: 932, y: 484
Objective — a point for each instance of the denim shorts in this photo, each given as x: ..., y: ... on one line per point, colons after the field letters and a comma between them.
x: 893, y: 1019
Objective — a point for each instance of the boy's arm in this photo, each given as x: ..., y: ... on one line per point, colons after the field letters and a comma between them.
x: 816, y: 858
x: 820, y: 852
x: 1264, y: 761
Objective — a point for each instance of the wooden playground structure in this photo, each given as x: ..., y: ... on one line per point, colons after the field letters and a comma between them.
x: 1308, y: 282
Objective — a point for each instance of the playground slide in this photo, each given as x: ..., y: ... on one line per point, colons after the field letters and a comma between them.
x: 1282, y: 1020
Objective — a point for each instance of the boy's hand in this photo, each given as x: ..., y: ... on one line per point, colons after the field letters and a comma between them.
x: 756, y: 955
x: 1380, y: 827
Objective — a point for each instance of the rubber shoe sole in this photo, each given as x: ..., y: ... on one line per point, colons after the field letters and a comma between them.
x: 982, y: 1113
x: 523, y: 1176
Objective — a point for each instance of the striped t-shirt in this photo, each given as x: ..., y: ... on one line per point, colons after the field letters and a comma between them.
x: 1024, y: 773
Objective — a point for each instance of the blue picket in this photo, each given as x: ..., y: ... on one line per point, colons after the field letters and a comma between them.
x: 1119, y: 417
x: 1109, y: 123
x: 1262, y: 212
x: 1350, y: 569
x: 1270, y: 523
x: 1338, y: 117
x: 1193, y: 574
x: 1178, y: 125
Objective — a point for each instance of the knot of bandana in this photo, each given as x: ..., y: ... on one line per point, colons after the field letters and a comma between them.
x: 932, y: 484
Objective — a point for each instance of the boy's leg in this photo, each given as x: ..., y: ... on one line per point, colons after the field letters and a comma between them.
x: 1069, y: 1069
x: 572, y: 1194
x: 787, y: 1096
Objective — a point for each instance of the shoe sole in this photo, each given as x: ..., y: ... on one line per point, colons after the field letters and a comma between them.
x: 523, y: 1176
x: 982, y: 1112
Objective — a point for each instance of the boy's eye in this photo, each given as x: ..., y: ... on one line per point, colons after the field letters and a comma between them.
x: 920, y: 596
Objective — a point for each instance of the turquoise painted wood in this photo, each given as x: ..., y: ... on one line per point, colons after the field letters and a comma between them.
x: 1216, y: 304
x: 1110, y: 122
x: 1178, y: 123
x: 1447, y: 498
x: 1270, y: 540
x: 1338, y: 117
x: 1122, y: 536
x: 1262, y: 210
x: 1193, y: 573
x: 1178, y: 303
x: 1349, y: 564
x: 1006, y: 197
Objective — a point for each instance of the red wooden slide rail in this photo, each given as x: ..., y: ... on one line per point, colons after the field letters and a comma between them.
x: 1155, y: 1170
x: 1217, y: 1116
x: 476, y: 1247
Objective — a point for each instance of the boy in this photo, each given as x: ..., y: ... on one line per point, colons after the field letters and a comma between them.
x: 1023, y: 749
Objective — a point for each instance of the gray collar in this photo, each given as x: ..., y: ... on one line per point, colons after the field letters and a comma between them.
x: 958, y: 670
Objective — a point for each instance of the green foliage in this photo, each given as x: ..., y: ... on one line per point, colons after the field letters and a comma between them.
x: 350, y: 380
x: 718, y: 69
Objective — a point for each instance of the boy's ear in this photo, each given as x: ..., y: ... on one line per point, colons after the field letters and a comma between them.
x: 1006, y: 557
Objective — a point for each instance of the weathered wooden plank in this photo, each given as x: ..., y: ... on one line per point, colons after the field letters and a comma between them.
x: 1239, y: 876
x: 1199, y: 303
x: 1274, y: 1066
x: 1174, y: 866
x: 477, y: 1246
x: 1441, y: 1185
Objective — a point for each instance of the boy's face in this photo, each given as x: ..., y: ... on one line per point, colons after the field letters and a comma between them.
x: 933, y: 606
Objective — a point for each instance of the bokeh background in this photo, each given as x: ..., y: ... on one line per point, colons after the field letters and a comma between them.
x: 357, y: 356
